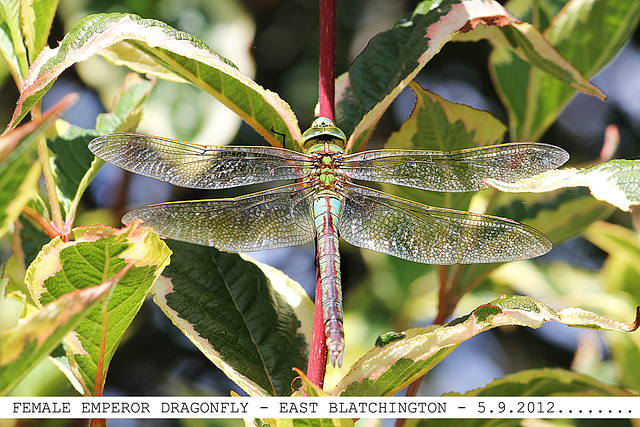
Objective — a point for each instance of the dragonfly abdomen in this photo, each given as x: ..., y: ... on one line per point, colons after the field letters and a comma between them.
x: 327, y: 207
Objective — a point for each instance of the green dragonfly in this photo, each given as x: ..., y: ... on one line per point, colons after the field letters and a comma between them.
x: 323, y: 203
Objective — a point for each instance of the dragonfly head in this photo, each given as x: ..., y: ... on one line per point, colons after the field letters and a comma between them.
x: 323, y: 129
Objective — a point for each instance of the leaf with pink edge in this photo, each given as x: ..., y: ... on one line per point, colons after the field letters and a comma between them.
x: 36, y: 336
x: 393, y: 58
x: 532, y: 96
x: 151, y: 47
x: 388, y: 368
x: 95, y: 254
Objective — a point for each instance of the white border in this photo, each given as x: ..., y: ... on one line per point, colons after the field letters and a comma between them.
x: 319, y: 407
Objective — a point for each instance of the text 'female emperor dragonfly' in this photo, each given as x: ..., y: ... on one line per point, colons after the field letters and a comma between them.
x: 323, y: 203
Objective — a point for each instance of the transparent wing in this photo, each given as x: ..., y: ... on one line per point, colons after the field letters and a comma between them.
x: 384, y: 223
x: 198, y: 166
x: 454, y: 171
x: 266, y: 220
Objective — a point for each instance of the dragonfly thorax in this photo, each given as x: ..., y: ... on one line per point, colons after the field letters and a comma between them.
x: 325, y: 144
x: 323, y: 130
x: 326, y: 160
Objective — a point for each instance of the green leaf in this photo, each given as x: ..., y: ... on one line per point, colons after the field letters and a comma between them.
x: 560, y: 217
x: 19, y: 169
x: 18, y: 184
x: 11, y: 43
x: 37, y: 17
x: 71, y: 160
x: 534, y: 382
x: 32, y: 238
x: 126, y: 111
x: 539, y: 13
x: 59, y: 358
x: 96, y: 254
x: 623, y: 262
x: 393, y: 58
x: 152, y: 47
x: 385, y: 370
x: 616, y: 182
x: 546, y: 382
x: 73, y: 165
x: 308, y: 388
x: 6, y: 48
x: 249, y: 324
x: 585, y: 32
x: 12, y: 281
x: 35, y: 337
x: 621, y: 274
x: 526, y: 42
x: 438, y: 124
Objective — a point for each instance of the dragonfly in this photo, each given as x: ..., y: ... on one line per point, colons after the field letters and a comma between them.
x: 324, y: 203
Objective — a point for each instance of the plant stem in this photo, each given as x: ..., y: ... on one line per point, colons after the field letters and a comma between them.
x: 318, y: 354
x: 100, y: 365
x: 412, y: 390
x: 49, y: 180
x: 443, y: 296
x: 327, y: 58
x: 46, y: 225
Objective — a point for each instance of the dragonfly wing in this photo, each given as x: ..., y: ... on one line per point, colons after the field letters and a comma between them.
x: 384, y: 223
x: 266, y: 220
x: 454, y: 171
x: 198, y: 166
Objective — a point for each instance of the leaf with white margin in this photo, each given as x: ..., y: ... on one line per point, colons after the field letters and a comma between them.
x: 12, y: 46
x: 73, y: 165
x: 36, y: 336
x: 152, y: 47
x: 616, y: 182
x: 387, y: 369
x: 19, y: 169
x: 393, y: 58
x: 587, y: 33
x: 36, y: 17
x: 249, y: 319
x: 535, y: 383
x: 95, y: 254
x: 309, y: 389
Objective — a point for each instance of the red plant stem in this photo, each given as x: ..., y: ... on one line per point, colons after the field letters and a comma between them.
x: 318, y: 354
x: 46, y: 226
x: 100, y: 367
x: 327, y: 58
x: 444, y: 307
x: 443, y: 296
x: 412, y: 391
x: 102, y: 350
